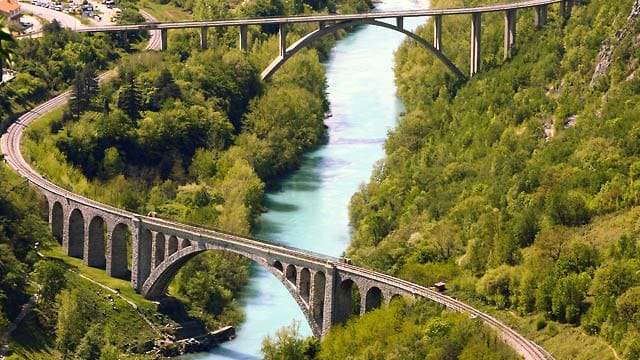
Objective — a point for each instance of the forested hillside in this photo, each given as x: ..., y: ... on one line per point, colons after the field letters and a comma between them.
x: 519, y: 187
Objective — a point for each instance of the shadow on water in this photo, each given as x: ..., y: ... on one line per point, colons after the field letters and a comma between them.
x: 222, y: 351
x: 279, y: 206
x: 233, y: 354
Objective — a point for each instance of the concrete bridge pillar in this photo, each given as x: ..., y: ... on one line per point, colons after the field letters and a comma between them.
x: 541, y: 16
x: 203, y: 37
x: 565, y: 8
x: 243, y: 37
x: 437, y: 32
x: 321, y: 25
x: 476, y: 22
x: 282, y: 37
x: 163, y: 39
x: 400, y: 22
x: 510, y: 20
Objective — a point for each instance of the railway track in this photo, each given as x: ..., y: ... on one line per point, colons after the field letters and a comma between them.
x: 10, y: 146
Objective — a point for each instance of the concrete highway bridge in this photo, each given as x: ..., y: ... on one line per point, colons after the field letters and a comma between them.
x: 327, y: 24
x: 321, y: 285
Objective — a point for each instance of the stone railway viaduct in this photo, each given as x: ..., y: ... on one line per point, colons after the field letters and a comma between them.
x: 324, y: 287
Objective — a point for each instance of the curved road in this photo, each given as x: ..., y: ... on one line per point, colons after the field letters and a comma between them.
x: 10, y: 146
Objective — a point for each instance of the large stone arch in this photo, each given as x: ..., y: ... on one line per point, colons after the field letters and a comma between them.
x: 118, y: 265
x: 95, y: 255
x: 347, y: 301
x: 158, y: 281
x: 57, y: 221
x: 76, y: 234
x: 330, y: 29
x: 156, y: 284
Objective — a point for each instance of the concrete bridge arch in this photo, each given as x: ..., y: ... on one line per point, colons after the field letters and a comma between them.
x: 323, y: 30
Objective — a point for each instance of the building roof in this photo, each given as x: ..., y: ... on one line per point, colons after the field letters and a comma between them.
x: 8, y: 6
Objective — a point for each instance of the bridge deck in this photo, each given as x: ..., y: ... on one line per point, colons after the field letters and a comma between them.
x: 322, y: 18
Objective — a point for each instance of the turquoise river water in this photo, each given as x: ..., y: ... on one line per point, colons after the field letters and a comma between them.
x: 310, y: 208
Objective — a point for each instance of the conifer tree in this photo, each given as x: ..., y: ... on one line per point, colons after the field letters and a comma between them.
x: 129, y: 98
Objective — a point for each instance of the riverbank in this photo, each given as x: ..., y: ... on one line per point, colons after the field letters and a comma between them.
x: 309, y: 209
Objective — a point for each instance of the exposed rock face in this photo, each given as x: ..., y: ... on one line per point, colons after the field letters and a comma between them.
x: 608, y: 45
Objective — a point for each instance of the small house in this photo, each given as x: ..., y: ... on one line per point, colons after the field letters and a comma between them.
x: 10, y: 9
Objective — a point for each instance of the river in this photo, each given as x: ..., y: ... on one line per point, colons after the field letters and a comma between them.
x: 310, y: 208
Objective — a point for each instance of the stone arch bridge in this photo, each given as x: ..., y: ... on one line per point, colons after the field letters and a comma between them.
x: 327, y: 24
x: 324, y: 287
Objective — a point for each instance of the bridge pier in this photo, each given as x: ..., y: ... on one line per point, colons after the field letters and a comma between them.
x: 243, y: 37
x: 400, y: 22
x: 163, y: 39
x: 541, y: 16
x: 328, y: 309
x: 510, y: 20
x: 437, y: 32
x: 203, y: 37
x: 565, y: 8
x: 476, y: 22
x: 282, y: 37
x: 139, y: 268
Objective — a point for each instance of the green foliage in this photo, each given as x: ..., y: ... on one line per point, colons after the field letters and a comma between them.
x: 5, y: 35
x: 286, y: 344
x: 418, y: 331
x: 51, y: 277
x: 75, y: 311
x: 210, y: 281
x: 83, y: 88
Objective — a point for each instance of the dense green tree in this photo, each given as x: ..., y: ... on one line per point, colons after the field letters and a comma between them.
x: 83, y: 88
x: 286, y: 344
x: 129, y: 97
x: 51, y: 277
x: 166, y: 88
x: 76, y: 313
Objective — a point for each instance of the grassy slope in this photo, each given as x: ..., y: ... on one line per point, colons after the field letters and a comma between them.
x: 126, y: 323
